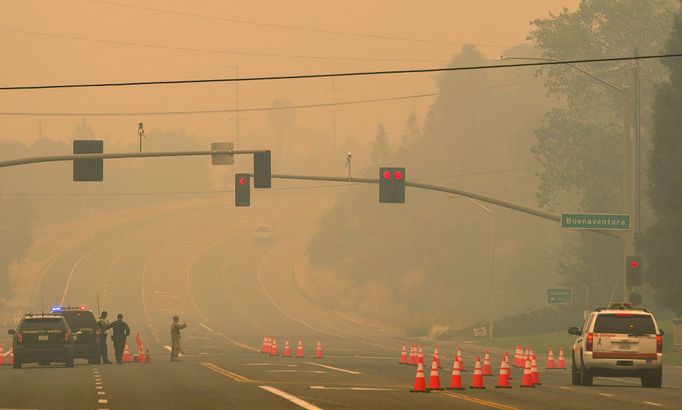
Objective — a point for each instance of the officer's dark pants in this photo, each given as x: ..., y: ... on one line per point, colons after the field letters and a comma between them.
x: 119, y: 345
x: 104, y: 354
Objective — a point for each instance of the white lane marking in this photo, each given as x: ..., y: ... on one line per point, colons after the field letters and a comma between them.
x: 606, y: 394
x: 103, y: 401
x: 206, y: 327
x: 295, y: 371
x: 98, y: 382
x: 350, y: 388
x: 98, y: 387
x: 652, y: 403
x: 620, y: 380
x: 566, y: 388
x: 291, y: 398
x: 333, y: 368
x: 269, y: 364
x: 101, y: 393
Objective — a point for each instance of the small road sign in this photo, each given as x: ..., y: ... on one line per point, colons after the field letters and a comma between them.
x: 222, y: 159
x: 595, y: 221
x: 559, y: 295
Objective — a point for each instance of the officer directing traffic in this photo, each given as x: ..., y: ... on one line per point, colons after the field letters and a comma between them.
x: 103, y: 325
x: 175, y: 338
x: 121, y: 331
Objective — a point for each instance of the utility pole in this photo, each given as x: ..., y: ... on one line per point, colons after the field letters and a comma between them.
x: 333, y: 89
x: 236, y: 123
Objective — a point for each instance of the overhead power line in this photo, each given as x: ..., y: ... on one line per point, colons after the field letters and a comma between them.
x: 216, y: 51
x: 296, y: 28
x: 346, y: 74
x: 254, y: 109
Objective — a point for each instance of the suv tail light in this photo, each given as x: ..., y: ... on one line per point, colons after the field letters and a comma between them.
x: 659, y: 344
x: 98, y: 335
x: 590, y: 339
x: 67, y: 336
x: 20, y: 337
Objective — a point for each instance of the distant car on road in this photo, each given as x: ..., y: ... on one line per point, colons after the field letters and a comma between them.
x: 86, y: 333
x: 618, y: 341
x: 42, y: 338
x: 263, y: 234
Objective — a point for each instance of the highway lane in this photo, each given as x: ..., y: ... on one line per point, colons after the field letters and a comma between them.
x: 205, y: 266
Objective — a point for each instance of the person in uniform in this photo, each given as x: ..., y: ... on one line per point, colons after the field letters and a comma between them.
x: 120, y: 333
x: 103, y: 324
x: 175, y: 338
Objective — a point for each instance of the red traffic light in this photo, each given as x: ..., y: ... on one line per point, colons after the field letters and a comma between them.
x: 397, y: 175
x: 242, y: 181
x: 387, y: 174
x: 633, y: 264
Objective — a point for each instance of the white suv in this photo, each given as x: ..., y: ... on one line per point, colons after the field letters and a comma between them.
x: 618, y: 341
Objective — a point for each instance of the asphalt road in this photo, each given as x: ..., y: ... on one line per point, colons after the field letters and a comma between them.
x: 202, y: 263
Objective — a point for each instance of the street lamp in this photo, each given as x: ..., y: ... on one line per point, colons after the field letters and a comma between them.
x: 492, y: 259
x: 631, y: 154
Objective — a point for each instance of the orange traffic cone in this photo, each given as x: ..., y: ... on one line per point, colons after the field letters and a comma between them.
x: 487, y: 371
x: 456, y: 379
x: 534, y: 371
x: 459, y: 359
x: 147, y: 357
x: 413, y: 355
x: 420, y: 355
x: 434, y: 378
x: 550, y: 360
x: 518, y: 361
x: 527, y: 380
x: 562, y: 362
x: 318, y: 351
x: 126, y: 354
x: 287, y: 349
x: 477, y: 378
x: 11, y: 356
x: 419, y: 382
x: 506, y: 359
x: 503, y: 378
x: 435, y: 354
x: 273, y: 348
x: 403, y: 356
x: 2, y: 355
x: 141, y: 353
x: 265, y: 348
x: 299, y: 349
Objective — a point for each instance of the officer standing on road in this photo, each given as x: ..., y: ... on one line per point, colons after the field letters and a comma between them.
x: 175, y: 338
x: 121, y: 331
x: 103, y: 325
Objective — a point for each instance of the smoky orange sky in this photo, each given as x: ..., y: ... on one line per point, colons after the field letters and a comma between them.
x: 81, y: 41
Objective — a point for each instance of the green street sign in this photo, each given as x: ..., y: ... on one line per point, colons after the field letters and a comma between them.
x: 595, y: 221
x: 559, y: 295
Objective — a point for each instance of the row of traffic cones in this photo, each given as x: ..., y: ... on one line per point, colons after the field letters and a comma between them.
x: 417, y: 356
x: 531, y: 376
x: 269, y: 347
x: 520, y: 355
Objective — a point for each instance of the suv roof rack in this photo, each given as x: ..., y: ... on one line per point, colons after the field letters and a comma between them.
x: 620, y: 306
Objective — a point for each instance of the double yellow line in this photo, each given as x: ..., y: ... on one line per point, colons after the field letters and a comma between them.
x: 480, y: 401
x: 234, y: 376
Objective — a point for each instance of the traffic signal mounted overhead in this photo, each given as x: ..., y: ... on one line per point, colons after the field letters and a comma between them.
x: 242, y: 190
x: 88, y: 169
x: 633, y: 270
x: 262, y: 177
x: 391, y: 185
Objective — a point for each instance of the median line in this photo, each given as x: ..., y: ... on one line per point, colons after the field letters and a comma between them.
x: 333, y: 368
x: 291, y: 398
x: 234, y: 376
x: 480, y: 401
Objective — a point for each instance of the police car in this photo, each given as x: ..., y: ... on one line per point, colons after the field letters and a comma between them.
x: 618, y: 341
x: 42, y: 338
x: 86, y: 334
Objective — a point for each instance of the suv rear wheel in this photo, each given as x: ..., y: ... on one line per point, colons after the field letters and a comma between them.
x: 93, y: 360
x: 69, y: 361
x: 586, y: 377
x: 653, y: 379
x: 17, y: 362
x: 575, y: 374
